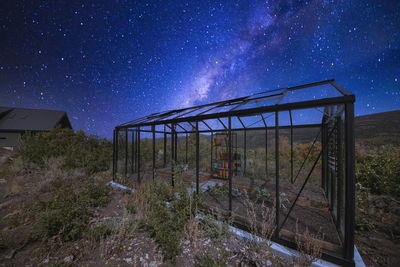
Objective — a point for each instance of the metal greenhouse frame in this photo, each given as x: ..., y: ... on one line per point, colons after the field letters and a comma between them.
x: 278, y: 111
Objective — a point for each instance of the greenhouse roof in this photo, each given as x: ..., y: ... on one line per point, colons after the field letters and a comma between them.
x: 292, y: 98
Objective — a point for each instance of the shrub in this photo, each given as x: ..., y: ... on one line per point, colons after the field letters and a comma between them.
x: 167, y: 216
x: 216, y: 230
x: 12, y: 219
x: 363, y: 219
x: 79, y: 151
x: 207, y: 260
x: 380, y: 172
x: 131, y: 208
x: 67, y: 212
x: 99, y: 232
x: 6, y: 241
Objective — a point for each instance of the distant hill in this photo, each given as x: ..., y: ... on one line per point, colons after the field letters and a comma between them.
x: 385, y: 124
x: 374, y: 129
x: 378, y: 128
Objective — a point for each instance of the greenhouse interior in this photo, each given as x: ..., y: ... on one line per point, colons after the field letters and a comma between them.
x: 290, y: 150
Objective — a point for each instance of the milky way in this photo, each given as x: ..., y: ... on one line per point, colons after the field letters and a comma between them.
x: 108, y: 62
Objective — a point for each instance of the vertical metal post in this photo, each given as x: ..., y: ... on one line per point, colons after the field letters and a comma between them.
x: 323, y: 157
x: 165, y: 148
x: 245, y: 151
x: 197, y: 157
x: 291, y: 147
x: 154, y: 150
x: 186, y: 148
x: 350, y: 181
x: 266, y: 151
x: 172, y: 155
x: 176, y: 147
x: 339, y: 174
x: 211, y: 153
x: 230, y: 162
x: 277, y: 172
x: 132, y: 151
x: 114, y: 155
x: 333, y: 204
x: 126, y: 152
x: 138, y: 155
x: 116, y: 151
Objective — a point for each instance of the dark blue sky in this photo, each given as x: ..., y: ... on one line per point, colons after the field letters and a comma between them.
x: 108, y: 62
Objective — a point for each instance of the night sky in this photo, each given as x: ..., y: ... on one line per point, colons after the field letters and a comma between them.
x: 108, y: 62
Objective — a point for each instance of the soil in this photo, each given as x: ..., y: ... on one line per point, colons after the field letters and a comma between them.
x: 317, y: 220
x: 381, y: 246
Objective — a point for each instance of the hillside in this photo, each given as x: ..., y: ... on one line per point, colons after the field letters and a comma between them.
x: 378, y: 128
x: 385, y: 124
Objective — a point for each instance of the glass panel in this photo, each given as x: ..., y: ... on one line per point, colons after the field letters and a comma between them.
x: 310, y: 93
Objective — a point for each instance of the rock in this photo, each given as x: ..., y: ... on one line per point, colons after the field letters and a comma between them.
x: 69, y: 259
x: 46, y: 261
x: 5, y: 204
x: 11, y: 255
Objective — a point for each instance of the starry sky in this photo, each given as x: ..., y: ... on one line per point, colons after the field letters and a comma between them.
x: 108, y: 62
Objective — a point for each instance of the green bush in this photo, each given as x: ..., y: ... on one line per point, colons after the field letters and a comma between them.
x: 99, y: 232
x: 380, y: 172
x: 167, y: 217
x: 363, y: 219
x: 80, y: 151
x: 216, y: 230
x: 6, y: 241
x: 131, y: 208
x: 67, y: 212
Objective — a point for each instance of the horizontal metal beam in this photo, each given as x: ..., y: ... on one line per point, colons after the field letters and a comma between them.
x: 243, y: 129
x: 159, y: 116
x: 258, y: 110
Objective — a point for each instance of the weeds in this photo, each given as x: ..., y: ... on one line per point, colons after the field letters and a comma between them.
x: 12, y: 219
x: 207, y: 260
x: 167, y: 215
x: 219, y: 190
x: 99, y: 232
x: 363, y: 219
x: 192, y: 228
x: 213, y: 228
x: 131, y: 208
x: 6, y: 241
x: 308, y: 246
x: 262, y: 227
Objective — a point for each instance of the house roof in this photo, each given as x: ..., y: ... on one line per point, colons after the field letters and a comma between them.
x: 23, y: 119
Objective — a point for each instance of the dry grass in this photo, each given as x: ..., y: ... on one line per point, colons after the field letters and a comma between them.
x: 308, y: 246
x: 262, y: 226
x: 192, y: 229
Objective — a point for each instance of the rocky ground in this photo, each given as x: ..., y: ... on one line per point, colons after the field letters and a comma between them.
x: 381, y: 245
